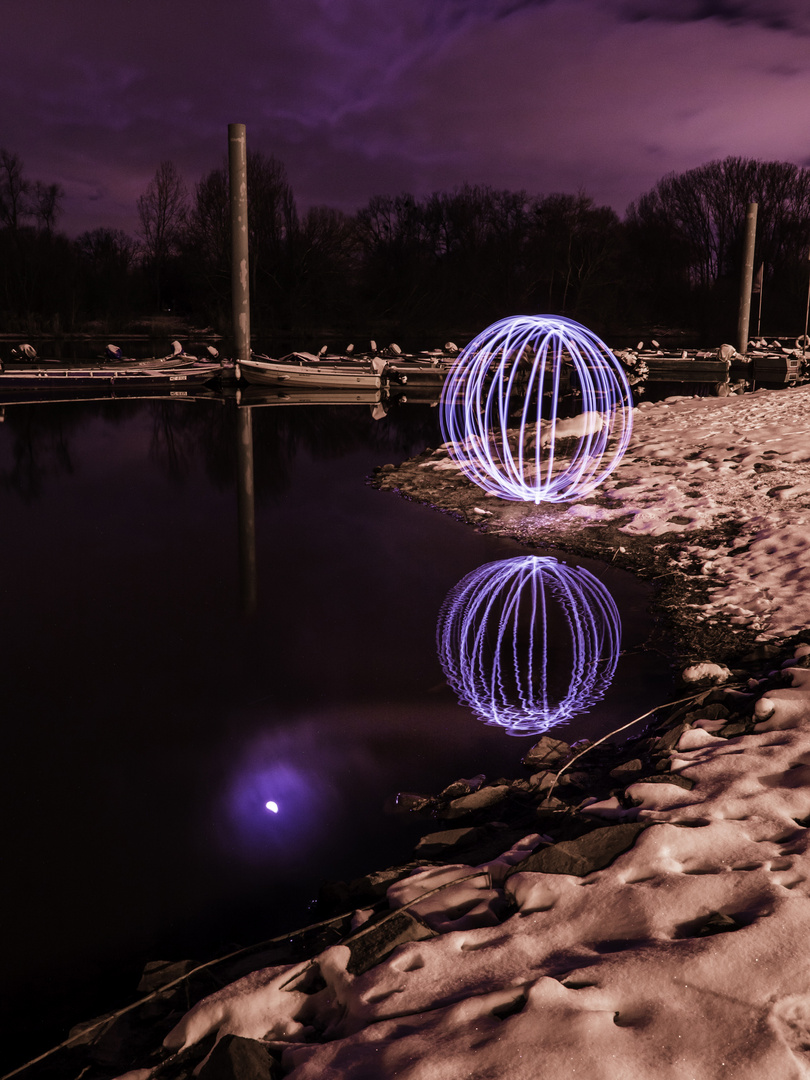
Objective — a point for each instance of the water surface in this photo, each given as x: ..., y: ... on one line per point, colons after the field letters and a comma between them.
x: 149, y: 719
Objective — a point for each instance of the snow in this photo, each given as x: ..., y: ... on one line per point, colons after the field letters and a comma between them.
x: 606, y: 976
x: 685, y: 958
x: 697, y: 463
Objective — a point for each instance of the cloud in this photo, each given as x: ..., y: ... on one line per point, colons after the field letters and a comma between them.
x: 786, y: 15
x: 359, y: 97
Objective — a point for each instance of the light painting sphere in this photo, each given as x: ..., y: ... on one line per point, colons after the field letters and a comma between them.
x: 504, y: 406
x: 529, y: 643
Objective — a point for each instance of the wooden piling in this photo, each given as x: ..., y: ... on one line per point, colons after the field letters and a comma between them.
x: 747, y: 279
x: 240, y: 277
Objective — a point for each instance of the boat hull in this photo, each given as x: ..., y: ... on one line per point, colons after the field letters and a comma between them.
x: 344, y: 376
x: 46, y: 380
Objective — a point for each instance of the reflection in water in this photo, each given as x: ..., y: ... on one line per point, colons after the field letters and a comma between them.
x: 278, y: 798
x: 528, y: 643
x: 246, y: 508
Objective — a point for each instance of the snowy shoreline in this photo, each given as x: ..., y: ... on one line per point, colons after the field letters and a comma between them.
x: 638, y: 911
x: 711, y: 502
x: 649, y: 922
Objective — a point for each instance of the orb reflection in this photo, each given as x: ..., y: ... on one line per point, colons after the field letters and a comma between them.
x: 505, y: 402
x: 528, y: 643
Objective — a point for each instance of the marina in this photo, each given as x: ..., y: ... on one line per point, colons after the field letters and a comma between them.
x: 395, y: 376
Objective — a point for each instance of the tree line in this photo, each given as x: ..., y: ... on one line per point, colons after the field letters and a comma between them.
x: 448, y: 262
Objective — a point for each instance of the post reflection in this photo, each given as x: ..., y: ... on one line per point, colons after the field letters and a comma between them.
x: 529, y: 643
x: 246, y: 509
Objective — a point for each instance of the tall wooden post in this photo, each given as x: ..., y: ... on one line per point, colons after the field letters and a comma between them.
x: 747, y: 279
x: 246, y: 509
x: 240, y: 278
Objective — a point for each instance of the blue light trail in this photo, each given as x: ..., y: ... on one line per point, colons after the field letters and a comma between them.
x: 500, y: 639
x: 500, y: 410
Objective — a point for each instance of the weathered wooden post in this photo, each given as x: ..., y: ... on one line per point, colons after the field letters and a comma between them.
x: 747, y: 280
x: 240, y: 278
x: 246, y: 509
x: 240, y: 294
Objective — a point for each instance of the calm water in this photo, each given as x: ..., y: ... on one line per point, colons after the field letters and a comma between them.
x: 148, y: 719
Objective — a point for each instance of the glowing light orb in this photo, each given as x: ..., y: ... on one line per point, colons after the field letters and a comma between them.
x: 510, y: 632
x: 271, y: 806
x: 504, y: 402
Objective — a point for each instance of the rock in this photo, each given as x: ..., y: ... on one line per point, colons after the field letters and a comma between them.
x: 462, y: 787
x: 669, y: 778
x: 716, y: 673
x: 732, y: 730
x: 545, y: 753
x: 671, y: 739
x: 439, y: 843
x: 718, y: 923
x: 627, y: 768
x: 379, y: 940
x: 593, y: 851
x: 576, y: 779
x: 715, y: 711
x: 476, y: 800
x: 341, y: 896
x: 237, y: 1058
x: 542, y: 780
x: 407, y: 802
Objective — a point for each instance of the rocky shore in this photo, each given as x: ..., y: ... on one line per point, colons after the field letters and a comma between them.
x: 571, y: 813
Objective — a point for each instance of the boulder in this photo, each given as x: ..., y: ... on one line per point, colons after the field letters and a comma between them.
x: 378, y: 941
x: 593, y: 851
x: 545, y: 753
x: 476, y: 800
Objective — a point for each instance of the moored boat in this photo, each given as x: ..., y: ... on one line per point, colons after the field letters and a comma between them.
x: 40, y: 378
x: 307, y: 370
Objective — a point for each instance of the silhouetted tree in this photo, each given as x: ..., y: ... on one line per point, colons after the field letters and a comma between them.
x: 575, y: 248
x: 162, y: 212
x: 272, y: 226
x: 46, y: 204
x: 689, y: 233
x: 397, y: 258
x: 325, y: 251
x: 14, y: 190
x: 107, y: 260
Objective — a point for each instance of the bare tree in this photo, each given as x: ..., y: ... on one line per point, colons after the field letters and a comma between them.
x: 697, y: 219
x: 46, y: 204
x: 162, y: 211
x: 14, y: 190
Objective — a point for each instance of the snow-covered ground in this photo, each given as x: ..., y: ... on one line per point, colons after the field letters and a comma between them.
x: 685, y: 957
x: 726, y: 480
x: 739, y: 462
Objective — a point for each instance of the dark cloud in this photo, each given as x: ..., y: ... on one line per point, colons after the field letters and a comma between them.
x: 782, y: 15
x: 359, y: 97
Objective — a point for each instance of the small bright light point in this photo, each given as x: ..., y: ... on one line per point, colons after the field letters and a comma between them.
x: 271, y: 806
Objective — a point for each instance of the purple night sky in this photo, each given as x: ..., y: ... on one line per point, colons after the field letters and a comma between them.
x: 363, y: 97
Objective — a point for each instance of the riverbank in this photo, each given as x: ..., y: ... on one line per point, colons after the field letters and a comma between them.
x: 618, y: 912
x: 614, y: 911
x: 711, y: 503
